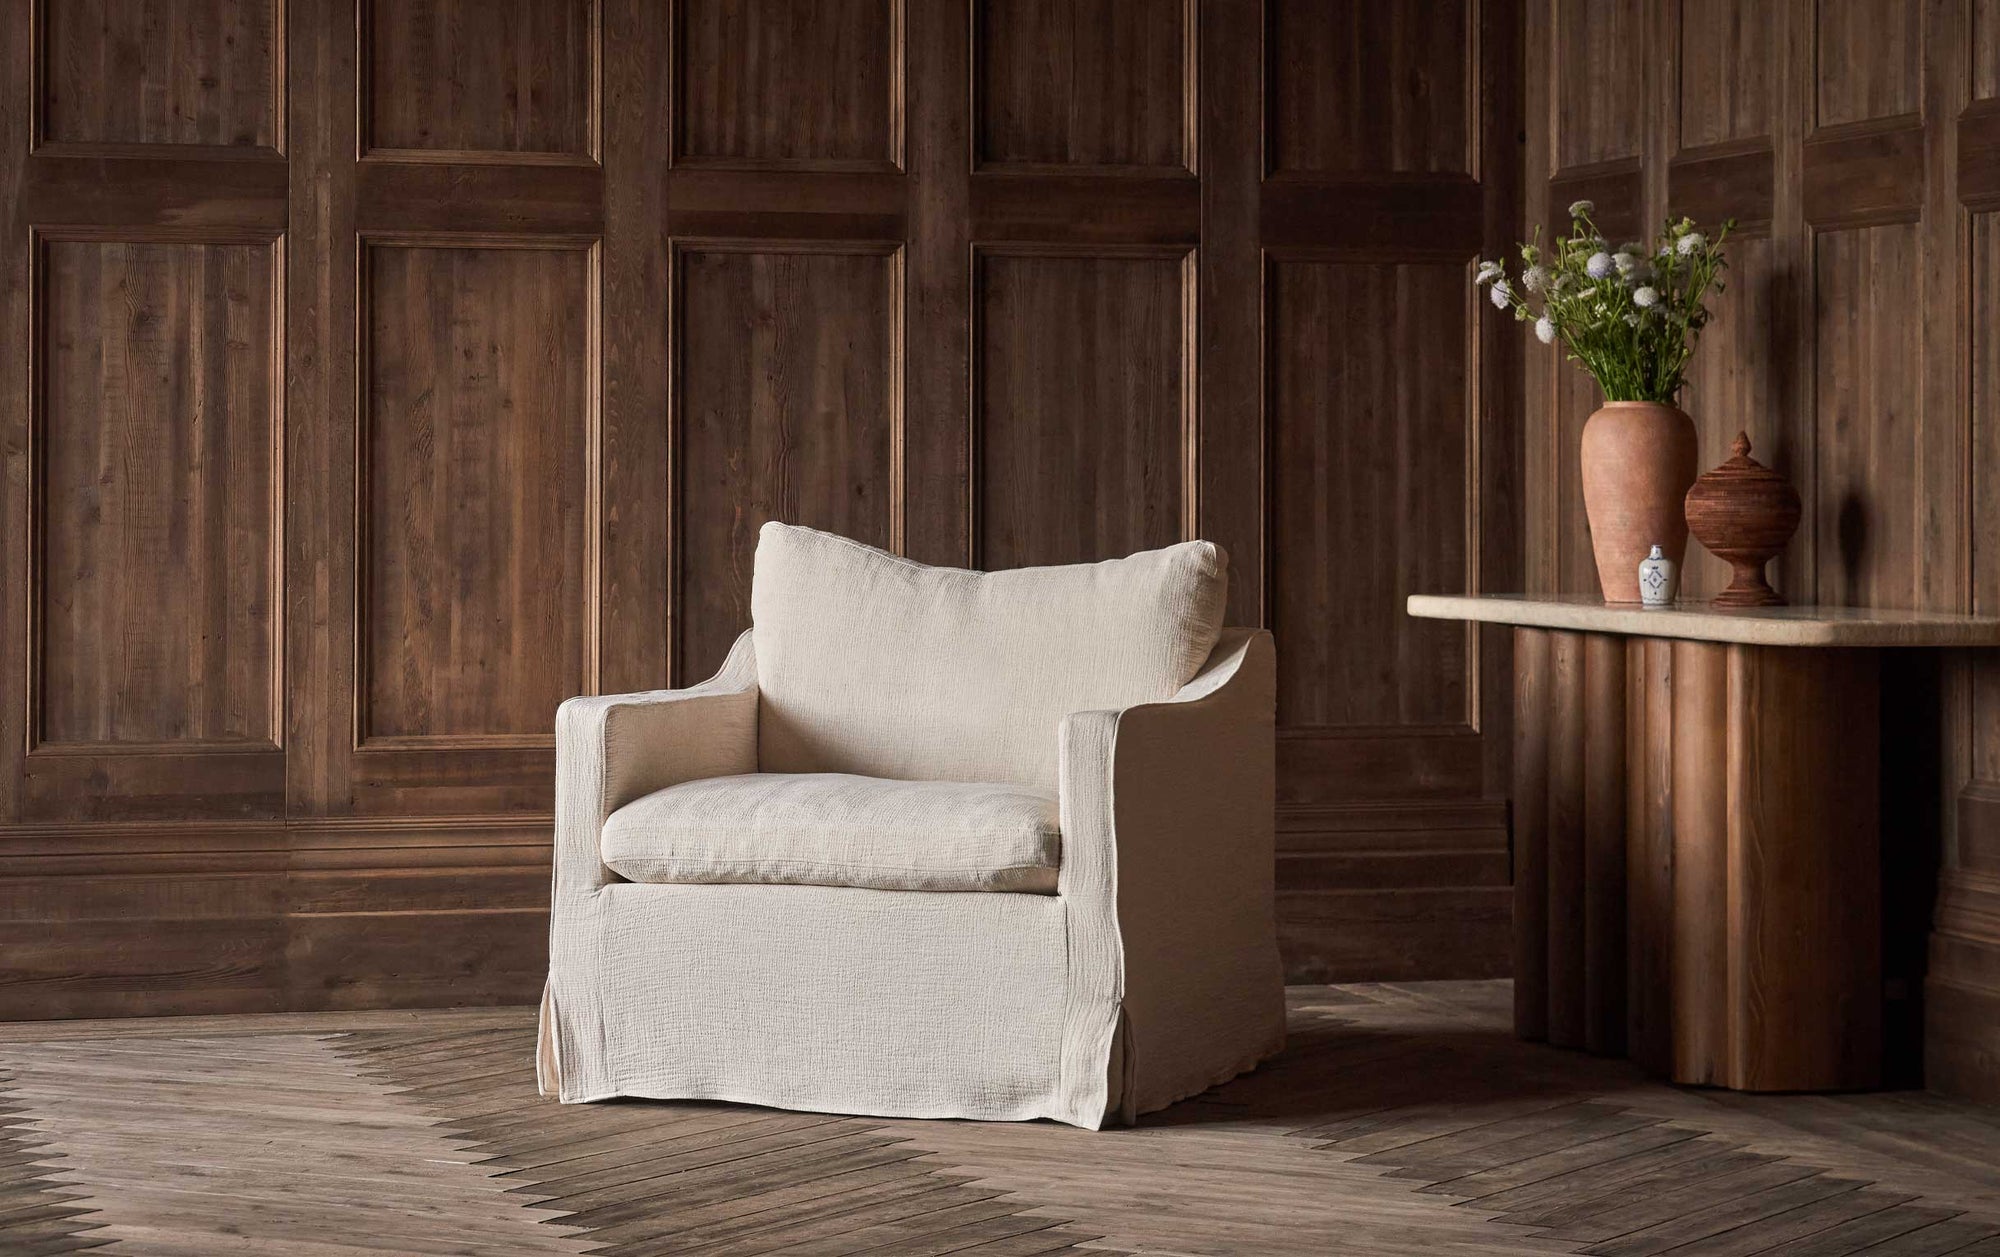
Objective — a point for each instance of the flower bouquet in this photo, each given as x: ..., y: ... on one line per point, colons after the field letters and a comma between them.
x: 1630, y: 316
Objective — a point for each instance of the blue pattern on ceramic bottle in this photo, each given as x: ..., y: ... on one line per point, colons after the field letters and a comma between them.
x: 1659, y: 579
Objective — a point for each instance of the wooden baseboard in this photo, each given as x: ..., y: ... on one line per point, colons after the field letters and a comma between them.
x: 146, y: 919
x: 1962, y: 990
x: 154, y: 919
x: 1394, y: 892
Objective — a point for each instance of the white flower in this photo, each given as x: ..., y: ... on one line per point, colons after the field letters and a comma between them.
x: 1501, y: 294
x: 1599, y: 265
x: 1545, y: 330
x: 1690, y: 242
x: 1632, y: 320
x: 1646, y: 298
x: 1577, y: 209
x: 1535, y: 278
x: 1488, y: 272
x: 1624, y: 260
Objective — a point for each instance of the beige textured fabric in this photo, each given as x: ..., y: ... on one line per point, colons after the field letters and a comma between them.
x: 1158, y: 945
x: 871, y: 664
x: 883, y: 1002
x: 832, y: 829
x: 1168, y: 811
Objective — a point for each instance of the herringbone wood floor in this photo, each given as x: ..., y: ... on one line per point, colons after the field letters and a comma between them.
x: 1400, y: 1120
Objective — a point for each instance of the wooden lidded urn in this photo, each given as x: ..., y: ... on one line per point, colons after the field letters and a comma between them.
x: 1744, y: 513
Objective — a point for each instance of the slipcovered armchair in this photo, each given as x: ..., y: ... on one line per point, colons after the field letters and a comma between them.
x: 932, y: 843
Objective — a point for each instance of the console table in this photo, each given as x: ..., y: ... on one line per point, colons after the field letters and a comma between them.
x: 1697, y: 877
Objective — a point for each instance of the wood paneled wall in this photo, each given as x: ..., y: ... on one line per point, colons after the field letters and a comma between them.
x: 1858, y: 144
x: 379, y: 372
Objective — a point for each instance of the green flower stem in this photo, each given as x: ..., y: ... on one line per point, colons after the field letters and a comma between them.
x: 1632, y: 327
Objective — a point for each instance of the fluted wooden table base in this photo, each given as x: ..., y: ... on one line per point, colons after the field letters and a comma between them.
x: 1697, y: 871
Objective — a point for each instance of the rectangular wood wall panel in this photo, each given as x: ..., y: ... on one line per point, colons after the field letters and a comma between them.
x: 459, y: 76
x: 788, y: 407
x: 790, y: 86
x: 1083, y: 375
x: 1367, y: 87
x: 159, y: 72
x: 1370, y: 495
x: 477, y: 431
x: 1117, y: 93
x: 158, y: 436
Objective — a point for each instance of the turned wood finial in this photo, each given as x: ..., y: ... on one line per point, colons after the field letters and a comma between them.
x: 1744, y: 513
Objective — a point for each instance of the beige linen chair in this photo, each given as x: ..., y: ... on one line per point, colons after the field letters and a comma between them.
x: 933, y: 843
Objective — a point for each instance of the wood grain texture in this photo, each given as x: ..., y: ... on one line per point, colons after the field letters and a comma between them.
x: 1860, y: 153
x: 1984, y: 49
x: 1804, y: 852
x: 1649, y: 853
x: 1734, y: 386
x: 1356, y: 86
x: 1534, y: 694
x: 453, y: 77
x: 1084, y: 83
x: 1700, y: 948
x: 158, y: 435
x: 1366, y: 431
x: 1869, y: 59
x: 1713, y: 813
x: 1962, y: 987
x: 1869, y: 505
x: 1713, y: 809
x: 1083, y: 387
x: 635, y: 565
x: 788, y: 408
x: 1599, y: 114
x: 479, y: 426
x: 153, y: 72
x: 790, y: 86
x: 1726, y: 90
x: 1604, y: 844
x: 1400, y: 1120
x: 1567, y: 872
x: 841, y: 141
x: 1570, y: 821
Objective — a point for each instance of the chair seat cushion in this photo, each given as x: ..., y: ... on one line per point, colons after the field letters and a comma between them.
x: 835, y: 829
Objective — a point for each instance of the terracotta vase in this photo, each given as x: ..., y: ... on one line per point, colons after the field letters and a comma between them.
x: 1638, y: 464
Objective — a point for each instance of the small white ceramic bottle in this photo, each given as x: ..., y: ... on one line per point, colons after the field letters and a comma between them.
x: 1659, y: 580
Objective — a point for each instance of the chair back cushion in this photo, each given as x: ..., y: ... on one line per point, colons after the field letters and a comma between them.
x: 875, y: 665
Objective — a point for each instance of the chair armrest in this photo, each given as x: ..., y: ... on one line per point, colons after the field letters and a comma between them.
x: 613, y: 748
x: 1171, y: 776
x: 1168, y: 811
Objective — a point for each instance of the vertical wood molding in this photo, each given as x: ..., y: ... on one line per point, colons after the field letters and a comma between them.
x: 20, y: 115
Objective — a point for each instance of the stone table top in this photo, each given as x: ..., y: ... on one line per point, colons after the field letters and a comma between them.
x: 1697, y: 621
